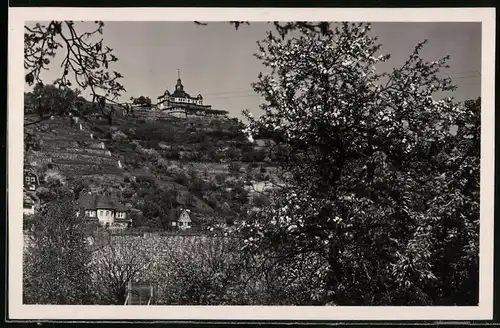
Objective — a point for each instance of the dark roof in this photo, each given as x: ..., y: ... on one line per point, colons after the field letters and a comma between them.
x: 30, y: 173
x: 180, y: 94
x: 28, y: 200
x: 105, y: 202
x: 87, y: 201
x: 119, y: 207
x: 93, y: 201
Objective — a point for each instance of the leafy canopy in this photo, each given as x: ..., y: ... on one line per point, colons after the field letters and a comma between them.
x: 363, y: 151
x: 86, y: 60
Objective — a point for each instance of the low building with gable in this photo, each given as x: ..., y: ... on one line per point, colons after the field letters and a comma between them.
x: 31, y: 181
x: 103, y: 209
x: 182, y: 219
x: 184, y: 222
x: 28, y: 205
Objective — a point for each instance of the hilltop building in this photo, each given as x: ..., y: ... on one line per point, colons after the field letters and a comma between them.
x: 103, y: 209
x: 181, y: 103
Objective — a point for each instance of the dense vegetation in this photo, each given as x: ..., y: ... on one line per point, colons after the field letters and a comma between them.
x: 381, y: 192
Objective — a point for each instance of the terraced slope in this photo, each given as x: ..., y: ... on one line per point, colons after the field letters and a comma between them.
x: 72, y: 149
x: 78, y: 151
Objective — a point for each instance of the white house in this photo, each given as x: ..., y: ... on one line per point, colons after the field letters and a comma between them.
x: 28, y: 206
x: 31, y: 181
x: 184, y: 221
x: 103, y: 209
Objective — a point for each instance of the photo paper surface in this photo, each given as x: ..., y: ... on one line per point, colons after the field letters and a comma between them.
x: 256, y: 164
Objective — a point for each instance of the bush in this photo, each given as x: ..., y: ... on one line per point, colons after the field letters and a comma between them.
x: 219, y: 178
x: 200, y: 271
x: 54, y: 176
x: 234, y: 167
x: 118, y: 135
x: 55, y: 269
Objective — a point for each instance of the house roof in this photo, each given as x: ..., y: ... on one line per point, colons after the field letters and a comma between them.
x: 94, y: 201
x: 181, y: 94
x: 28, y: 200
x: 31, y: 174
x: 185, y: 216
x: 105, y: 202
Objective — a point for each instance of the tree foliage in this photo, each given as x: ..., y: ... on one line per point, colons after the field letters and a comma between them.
x: 85, y: 60
x: 47, y: 100
x: 145, y: 101
x: 201, y: 271
x: 56, y: 258
x: 368, y: 155
x: 113, y: 266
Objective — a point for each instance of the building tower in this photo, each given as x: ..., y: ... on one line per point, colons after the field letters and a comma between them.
x: 179, y: 86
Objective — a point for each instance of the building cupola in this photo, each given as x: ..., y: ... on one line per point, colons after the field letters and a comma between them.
x: 179, y: 86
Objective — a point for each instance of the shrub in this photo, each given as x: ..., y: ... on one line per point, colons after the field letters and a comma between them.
x: 200, y: 271
x: 55, y: 269
x: 54, y: 176
x: 234, y: 167
x: 118, y: 135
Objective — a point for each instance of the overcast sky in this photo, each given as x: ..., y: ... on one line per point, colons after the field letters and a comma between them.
x: 217, y: 61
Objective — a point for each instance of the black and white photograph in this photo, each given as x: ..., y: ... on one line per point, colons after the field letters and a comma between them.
x: 328, y: 165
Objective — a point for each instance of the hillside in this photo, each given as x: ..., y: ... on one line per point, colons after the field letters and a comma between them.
x: 72, y: 149
x: 206, y: 164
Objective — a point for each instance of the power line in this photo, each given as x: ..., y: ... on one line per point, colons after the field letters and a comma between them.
x: 251, y: 90
x: 258, y: 95
x: 465, y: 77
x: 229, y: 92
x: 463, y: 72
x: 236, y: 93
x: 241, y: 96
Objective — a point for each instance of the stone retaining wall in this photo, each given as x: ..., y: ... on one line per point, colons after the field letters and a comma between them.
x: 59, y: 143
x: 83, y: 169
x: 89, y: 151
x: 83, y: 158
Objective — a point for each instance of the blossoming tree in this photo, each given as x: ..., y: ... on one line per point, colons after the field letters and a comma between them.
x: 367, y: 154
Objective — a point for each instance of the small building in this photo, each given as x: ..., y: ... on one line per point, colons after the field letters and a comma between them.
x: 31, y: 181
x: 184, y: 221
x: 28, y: 206
x: 104, y: 209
